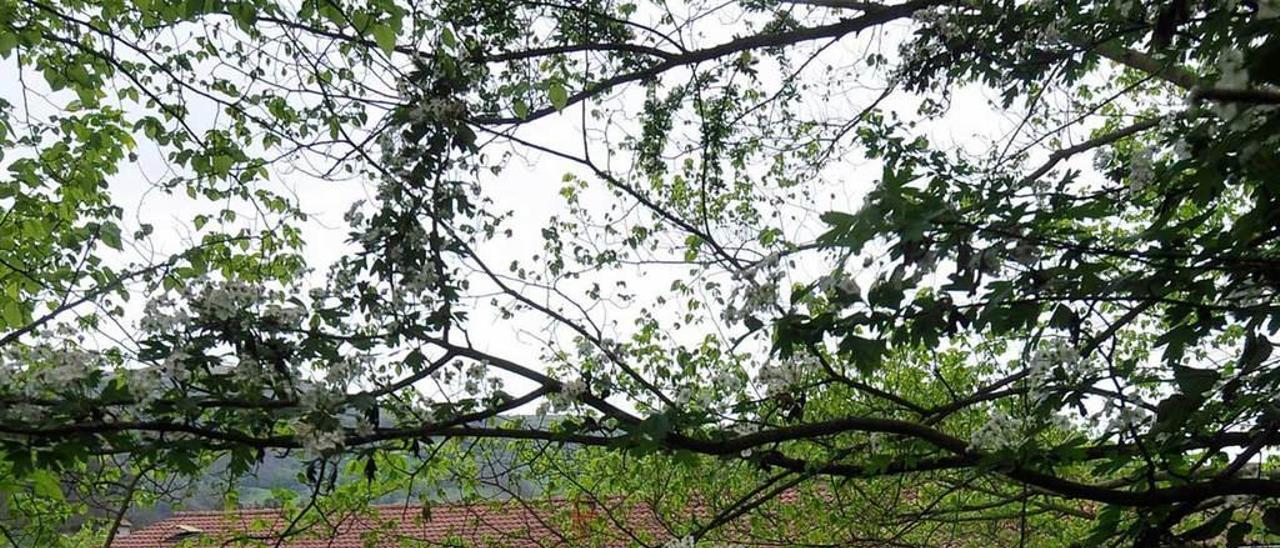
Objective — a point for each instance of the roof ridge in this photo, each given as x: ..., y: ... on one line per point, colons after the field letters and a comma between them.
x: 395, y: 505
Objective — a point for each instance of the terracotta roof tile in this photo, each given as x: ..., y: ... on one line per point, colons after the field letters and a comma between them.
x: 508, y: 524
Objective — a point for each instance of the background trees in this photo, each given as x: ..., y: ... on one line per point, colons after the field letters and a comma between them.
x: 1014, y: 262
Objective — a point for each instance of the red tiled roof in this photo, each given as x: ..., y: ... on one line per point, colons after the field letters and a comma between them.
x: 504, y: 524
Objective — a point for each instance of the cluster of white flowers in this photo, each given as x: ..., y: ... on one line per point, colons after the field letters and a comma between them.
x: 573, y: 389
x: 841, y: 282
x: 1231, y: 71
x: 26, y: 413
x: 940, y: 22
x: 716, y: 392
x: 317, y: 398
x: 692, y: 397
x: 1126, y: 418
x: 743, y: 428
x: 781, y: 375
x: 438, y: 109
x: 756, y: 296
x: 32, y: 370
x: 175, y: 366
x: 1000, y: 432
x: 64, y: 366
x: 316, y: 441
x: 571, y: 392
x: 8, y: 368
x: 248, y: 370
x: 473, y: 376
x: 224, y: 300
x: 285, y: 316
x: 146, y: 385
x: 420, y: 281
x: 342, y: 372
x: 1127, y: 6
x: 1102, y: 159
x: 1050, y: 356
x: 727, y: 381
x: 682, y: 542
x: 1141, y: 172
x: 157, y: 317
x: 1181, y: 150
x: 1052, y: 353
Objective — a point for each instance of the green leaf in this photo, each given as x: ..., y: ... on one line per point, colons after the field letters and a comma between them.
x: 8, y: 41
x: 1173, y: 412
x: 1237, y: 533
x: 521, y: 109
x: 1271, y: 519
x: 1211, y: 528
x: 866, y: 353
x: 46, y: 485
x: 11, y: 312
x: 558, y: 96
x: 1194, y: 382
x: 110, y: 234
x: 385, y: 36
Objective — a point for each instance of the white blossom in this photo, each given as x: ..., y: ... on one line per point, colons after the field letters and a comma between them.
x: 999, y: 432
x: 315, y: 441
x: 175, y: 367
x: 223, y: 301
x: 1231, y: 71
x: 682, y: 542
x: 585, y: 347
x: 313, y: 398
x: 573, y: 389
x: 248, y: 370
x: 438, y: 109
x: 727, y: 381
x: 146, y: 384
x: 844, y: 283
x: 286, y: 316
x: 781, y: 375
x: 1141, y: 173
x: 155, y: 318
x: 1128, y: 418
x: 364, y: 428
x: 1181, y: 151
x: 25, y: 413
x: 1050, y: 356
x: 420, y: 281
x: 1102, y: 159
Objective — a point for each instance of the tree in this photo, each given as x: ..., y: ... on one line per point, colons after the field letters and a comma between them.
x: 768, y: 264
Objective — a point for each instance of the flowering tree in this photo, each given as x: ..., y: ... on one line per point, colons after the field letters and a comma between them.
x: 773, y: 262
